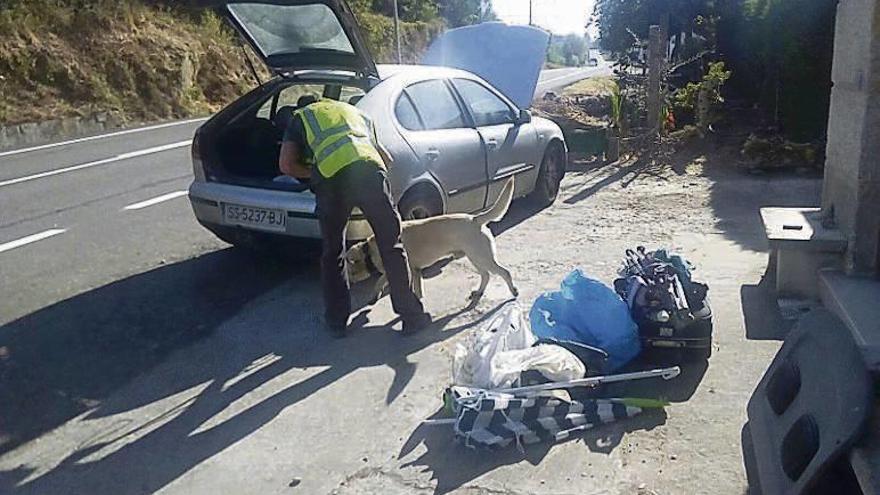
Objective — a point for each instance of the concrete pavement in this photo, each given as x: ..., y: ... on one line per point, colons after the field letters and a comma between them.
x: 209, y: 374
x: 140, y: 355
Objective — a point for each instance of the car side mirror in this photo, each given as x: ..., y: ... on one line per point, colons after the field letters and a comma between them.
x: 524, y: 117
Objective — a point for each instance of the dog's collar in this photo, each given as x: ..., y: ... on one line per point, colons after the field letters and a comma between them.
x: 372, y: 269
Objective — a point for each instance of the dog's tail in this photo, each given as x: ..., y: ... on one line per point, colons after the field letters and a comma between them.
x: 499, y: 209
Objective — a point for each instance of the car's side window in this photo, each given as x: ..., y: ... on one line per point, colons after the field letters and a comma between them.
x: 406, y: 113
x: 486, y: 107
x: 436, y: 105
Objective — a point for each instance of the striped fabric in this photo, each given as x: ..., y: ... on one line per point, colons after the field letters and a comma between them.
x: 493, y: 420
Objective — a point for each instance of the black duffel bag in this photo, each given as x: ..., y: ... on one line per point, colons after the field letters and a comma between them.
x: 671, y: 310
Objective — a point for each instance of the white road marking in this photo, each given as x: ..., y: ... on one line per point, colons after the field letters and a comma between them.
x: 155, y: 201
x: 102, y: 136
x: 123, y: 156
x: 31, y: 238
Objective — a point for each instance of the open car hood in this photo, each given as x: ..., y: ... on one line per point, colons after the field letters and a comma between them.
x: 294, y: 35
x: 507, y: 57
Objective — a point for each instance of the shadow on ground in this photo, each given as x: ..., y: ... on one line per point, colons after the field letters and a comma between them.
x: 65, y: 359
x: 735, y: 194
x: 181, y: 442
x: 761, y: 315
x: 453, y: 465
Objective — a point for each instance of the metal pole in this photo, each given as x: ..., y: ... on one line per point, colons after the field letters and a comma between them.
x: 530, y: 13
x: 397, y: 33
x: 655, y: 65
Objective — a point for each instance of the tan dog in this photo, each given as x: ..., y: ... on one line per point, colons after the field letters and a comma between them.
x: 433, y: 239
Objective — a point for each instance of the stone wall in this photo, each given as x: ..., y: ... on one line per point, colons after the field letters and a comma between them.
x: 852, y: 168
x: 36, y: 133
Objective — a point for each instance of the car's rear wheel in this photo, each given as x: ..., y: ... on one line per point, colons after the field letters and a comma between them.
x: 549, y: 176
x: 420, y: 202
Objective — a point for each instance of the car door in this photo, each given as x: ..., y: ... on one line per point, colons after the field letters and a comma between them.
x: 437, y: 129
x: 511, y: 147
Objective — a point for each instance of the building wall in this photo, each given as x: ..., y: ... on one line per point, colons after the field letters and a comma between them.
x: 852, y: 168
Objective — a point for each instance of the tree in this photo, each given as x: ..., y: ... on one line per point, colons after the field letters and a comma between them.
x: 466, y: 12
x: 409, y: 10
x: 574, y: 49
x: 622, y: 21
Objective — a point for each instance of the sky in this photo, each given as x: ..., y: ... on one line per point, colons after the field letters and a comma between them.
x: 556, y: 16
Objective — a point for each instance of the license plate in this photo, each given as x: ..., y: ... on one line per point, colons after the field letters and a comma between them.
x: 257, y: 218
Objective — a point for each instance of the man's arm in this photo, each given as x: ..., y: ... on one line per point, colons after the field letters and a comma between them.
x: 290, y: 161
x: 383, y: 152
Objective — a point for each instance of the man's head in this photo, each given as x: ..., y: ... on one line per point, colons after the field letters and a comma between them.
x: 305, y: 100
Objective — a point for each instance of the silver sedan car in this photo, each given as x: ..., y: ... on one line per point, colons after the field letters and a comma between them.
x: 454, y: 138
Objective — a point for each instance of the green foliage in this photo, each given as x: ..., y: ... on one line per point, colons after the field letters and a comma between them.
x: 623, y: 21
x: 702, y: 100
x: 459, y: 13
x: 778, y: 152
x: 568, y: 50
x: 414, y: 37
x: 781, y: 52
x: 686, y: 98
x: 574, y: 48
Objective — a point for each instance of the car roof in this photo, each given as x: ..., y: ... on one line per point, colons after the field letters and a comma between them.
x: 387, y: 71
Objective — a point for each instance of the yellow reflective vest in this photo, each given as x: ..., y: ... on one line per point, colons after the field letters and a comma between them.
x: 339, y: 134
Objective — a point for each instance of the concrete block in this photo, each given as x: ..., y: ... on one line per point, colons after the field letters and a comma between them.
x: 797, y: 272
x: 855, y: 301
x: 852, y: 168
x: 800, y: 229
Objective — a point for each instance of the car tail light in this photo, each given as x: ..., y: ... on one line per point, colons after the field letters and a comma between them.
x: 198, y: 167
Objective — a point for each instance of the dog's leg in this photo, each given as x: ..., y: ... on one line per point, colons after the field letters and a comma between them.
x: 505, y: 274
x: 483, y: 258
x: 380, y: 288
x: 484, y: 281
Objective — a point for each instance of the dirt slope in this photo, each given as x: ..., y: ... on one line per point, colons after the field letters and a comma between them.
x: 143, y: 62
x: 140, y: 59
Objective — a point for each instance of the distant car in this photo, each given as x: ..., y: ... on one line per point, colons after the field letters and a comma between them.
x: 593, y: 62
x: 454, y: 138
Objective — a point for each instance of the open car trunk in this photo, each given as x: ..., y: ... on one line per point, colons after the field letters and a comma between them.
x: 242, y: 144
x: 316, y: 49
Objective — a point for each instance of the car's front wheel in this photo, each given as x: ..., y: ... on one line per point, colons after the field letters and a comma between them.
x: 549, y: 176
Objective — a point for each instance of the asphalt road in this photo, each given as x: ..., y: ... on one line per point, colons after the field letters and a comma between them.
x: 84, y: 213
x: 554, y: 79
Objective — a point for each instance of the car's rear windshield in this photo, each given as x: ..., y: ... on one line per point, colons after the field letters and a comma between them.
x: 280, y: 30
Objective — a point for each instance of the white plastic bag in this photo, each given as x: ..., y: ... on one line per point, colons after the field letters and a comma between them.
x: 555, y: 363
x: 472, y: 363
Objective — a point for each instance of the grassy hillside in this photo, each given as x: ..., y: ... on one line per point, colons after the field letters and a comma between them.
x: 142, y: 60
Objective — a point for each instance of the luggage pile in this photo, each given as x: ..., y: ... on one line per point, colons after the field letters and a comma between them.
x: 512, y: 385
x: 670, y: 308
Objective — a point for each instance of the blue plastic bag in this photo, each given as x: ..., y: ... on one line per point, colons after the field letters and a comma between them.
x: 587, y: 311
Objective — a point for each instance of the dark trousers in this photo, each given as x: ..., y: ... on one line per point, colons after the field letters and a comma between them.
x: 363, y: 185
